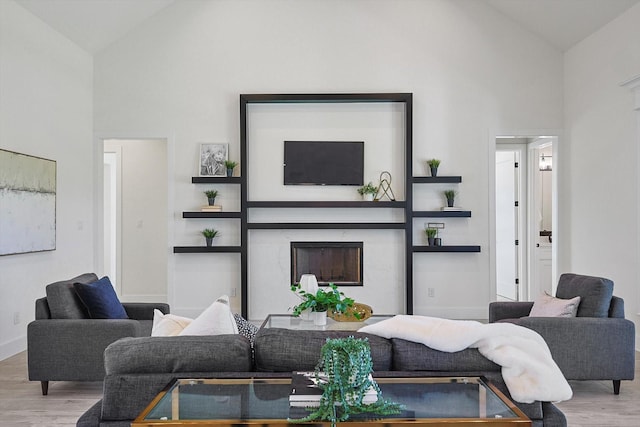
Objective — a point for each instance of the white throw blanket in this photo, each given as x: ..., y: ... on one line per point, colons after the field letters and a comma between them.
x: 528, y: 369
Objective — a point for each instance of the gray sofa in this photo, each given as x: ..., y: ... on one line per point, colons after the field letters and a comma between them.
x: 63, y: 344
x: 597, y: 344
x: 137, y: 369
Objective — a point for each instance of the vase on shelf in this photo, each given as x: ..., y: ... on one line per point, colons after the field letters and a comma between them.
x: 320, y: 318
x: 209, y: 241
x: 434, y: 171
x: 229, y: 172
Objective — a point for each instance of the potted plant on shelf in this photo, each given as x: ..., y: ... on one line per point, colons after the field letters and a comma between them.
x: 450, y: 195
x: 431, y: 235
x: 320, y: 302
x: 211, y: 196
x: 368, y: 191
x: 230, y: 164
x: 209, y: 234
x: 433, y: 166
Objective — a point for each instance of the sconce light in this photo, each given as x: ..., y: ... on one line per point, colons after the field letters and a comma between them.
x: 545, y: 163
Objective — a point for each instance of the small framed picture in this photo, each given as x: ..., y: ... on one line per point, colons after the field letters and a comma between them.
x: 212, y: 158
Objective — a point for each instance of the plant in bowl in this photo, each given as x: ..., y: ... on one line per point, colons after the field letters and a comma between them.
x: 209, y: 234
x: 211, y: 196
x: 431, y: 235
x: 368, y: 191
x: 229, y: 165
x: 322, y: 301
x: 433, y: 166
x: 450, y: 195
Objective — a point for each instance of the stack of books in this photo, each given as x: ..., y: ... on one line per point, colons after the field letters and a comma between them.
x: 451, y: 209
x: 211, y: 208
x: 306, y: 390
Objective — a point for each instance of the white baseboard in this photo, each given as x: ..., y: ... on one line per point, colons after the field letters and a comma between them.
x: 13, y: 347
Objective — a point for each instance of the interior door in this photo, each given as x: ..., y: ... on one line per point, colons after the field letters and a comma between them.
x: 507, y: 225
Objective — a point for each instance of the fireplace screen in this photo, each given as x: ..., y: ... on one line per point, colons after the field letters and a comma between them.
x: 331, y: 262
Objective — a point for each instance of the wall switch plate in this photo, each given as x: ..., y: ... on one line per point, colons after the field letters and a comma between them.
x: 431, y: 292
x: 16, y: 317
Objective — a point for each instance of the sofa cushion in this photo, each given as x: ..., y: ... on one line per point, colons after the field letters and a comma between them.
x: 594, y: 292
x: 412, y: 356
x: 286, y: 350
x: 217, y: 319
x: 100, y: 299
x: 547, y: 306
x: 63, y: 300
x: 168, y: 325
x: 219, y: 353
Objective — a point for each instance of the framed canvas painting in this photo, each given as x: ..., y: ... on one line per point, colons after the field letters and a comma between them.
x: 212, y: 158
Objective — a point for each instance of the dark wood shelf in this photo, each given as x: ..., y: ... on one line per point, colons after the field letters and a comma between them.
x: 437, y: 179
x: 446, y: 249
x: 441, y: 214
x: 205, y: 249
x: 325, y: 204
x: 199, y: 214
x: 216, y: 180
x: 325, y: 225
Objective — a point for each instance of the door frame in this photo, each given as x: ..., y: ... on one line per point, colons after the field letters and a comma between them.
x: 557, y: 226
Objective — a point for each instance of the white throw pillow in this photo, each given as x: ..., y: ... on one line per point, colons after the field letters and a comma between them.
x: 217, y: 319
x: 168, y: 325
x: 548, y: 306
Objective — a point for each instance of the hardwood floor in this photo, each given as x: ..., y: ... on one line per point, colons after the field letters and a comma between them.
x: 22, y: 404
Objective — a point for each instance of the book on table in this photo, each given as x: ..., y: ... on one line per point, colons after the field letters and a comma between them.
x: 211, y: 208
x: 307, y: 389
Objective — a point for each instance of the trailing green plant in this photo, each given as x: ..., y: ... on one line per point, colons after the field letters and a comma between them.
x: 433, y: 163
x: 449, y: 194
x: 322, y: 300
x: 210, y: 233
x: 346, y: 364
x: 211, y: 194
x: 431, y: 232
x: 230, y: 164
x: 368, y: 189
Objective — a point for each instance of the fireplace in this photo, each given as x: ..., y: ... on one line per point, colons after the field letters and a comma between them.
x: 331, y: 262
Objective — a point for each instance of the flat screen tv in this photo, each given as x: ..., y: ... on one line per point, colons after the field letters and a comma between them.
x: 323, y: 162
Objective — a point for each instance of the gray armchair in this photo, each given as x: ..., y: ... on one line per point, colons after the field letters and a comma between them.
x: 597, y: 344
x: 64, y: 345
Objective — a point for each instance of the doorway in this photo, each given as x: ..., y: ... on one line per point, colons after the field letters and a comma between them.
x: 524, y: 212
x: 136, y: 217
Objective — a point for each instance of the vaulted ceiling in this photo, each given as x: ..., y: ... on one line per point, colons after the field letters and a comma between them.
x: 94, y: 24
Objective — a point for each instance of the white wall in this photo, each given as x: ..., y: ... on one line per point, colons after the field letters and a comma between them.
x: 468, y: 67
x: 46, y: 111
x: 601, y: 209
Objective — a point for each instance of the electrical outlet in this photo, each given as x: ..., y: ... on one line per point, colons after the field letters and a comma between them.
x: 233, y: 292
x: 431, y: 292
x: 16, y: 317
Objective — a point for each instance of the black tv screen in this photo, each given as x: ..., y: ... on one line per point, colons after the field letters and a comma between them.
x: 323, y: 162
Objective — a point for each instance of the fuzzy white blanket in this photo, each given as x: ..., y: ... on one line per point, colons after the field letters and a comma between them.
x: 528, y: 369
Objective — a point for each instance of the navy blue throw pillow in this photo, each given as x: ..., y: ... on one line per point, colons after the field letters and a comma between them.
x: 100, y: 299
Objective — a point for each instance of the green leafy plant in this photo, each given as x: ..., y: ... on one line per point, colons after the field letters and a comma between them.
x: 431, y: 232
x: 433, y: 163
x: 322, y: 300
x: 211, y: 194
x: 346, y: 363
x: 230, y: 164
x: 210, y: 233
x: 367, y: 189
x: 450, y: 194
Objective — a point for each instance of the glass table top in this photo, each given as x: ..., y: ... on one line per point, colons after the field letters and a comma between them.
x: 287, y: 321
x: 265, y: 401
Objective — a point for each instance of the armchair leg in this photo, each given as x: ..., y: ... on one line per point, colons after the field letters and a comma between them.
x: 45, y: 387
x: 616, y: 386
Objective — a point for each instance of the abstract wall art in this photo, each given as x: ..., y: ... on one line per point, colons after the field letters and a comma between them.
x: 27, y: 203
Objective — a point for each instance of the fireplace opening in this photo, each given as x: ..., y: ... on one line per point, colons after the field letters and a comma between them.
x: 331, y: 262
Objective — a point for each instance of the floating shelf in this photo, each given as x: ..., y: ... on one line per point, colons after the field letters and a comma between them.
x: 325, y: 225
x: 205, y: 249
x: 216, y: 180
x: 324, y: 204
x: 199, y: 214
x: 441, y: 214
x: 446, y: 249
x: 437, y: 179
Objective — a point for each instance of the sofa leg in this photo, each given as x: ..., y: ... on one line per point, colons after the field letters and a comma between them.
x: 45, y: 387
x: 616, y: 386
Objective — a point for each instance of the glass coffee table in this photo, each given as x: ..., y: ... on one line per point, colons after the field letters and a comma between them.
x: 460, y: 401
x: 287, y: 321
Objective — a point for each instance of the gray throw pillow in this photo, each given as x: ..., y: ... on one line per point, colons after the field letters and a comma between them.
x: 595, y: 293
x: 63, y: 300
